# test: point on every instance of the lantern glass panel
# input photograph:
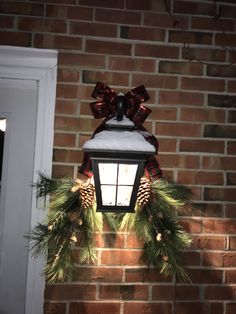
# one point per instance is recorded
(108, 195)
(124, 195)
(108, 173)
(127, 174)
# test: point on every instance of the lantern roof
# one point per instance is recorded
(120, 136)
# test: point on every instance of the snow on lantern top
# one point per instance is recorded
(119, 136)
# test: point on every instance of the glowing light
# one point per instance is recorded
(3, 125)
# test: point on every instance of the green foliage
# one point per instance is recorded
(157, 225)
(70, 228)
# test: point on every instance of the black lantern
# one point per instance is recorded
(118, 156)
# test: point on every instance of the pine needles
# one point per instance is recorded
(157, 225)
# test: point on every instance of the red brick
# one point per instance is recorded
(191, 258)
(120, 257)
(199, 307)
(214, 194)
(200, 177)
(57, 42)
(133, 242)
(219, 131)
(201, 146)
(21, 8)
(93, 29)
(94, 307)
(232, 86)
(231, 178)
(62, 171)
(66, 106)
(108, 47)
(116, 16)
(219, 226)
(142, 33)
(220, 293)
(191, 225)
(225, 101)
(160, 114)
(202, 115)
(67, 156)
(119, 4)
(70, 91)
(205, 23)
(112, 78)
(156, 51)
(123, 292)
(209, 242)
(188, 68)
(231, 148)
(54, 308)
(221, 163)
(75, 124)
(212, 259)
(163, 292)
(178, 129)
(202, 84)
(225, 40)
(187, 292)
(194, 8)
(15, 38)
(229, 259)
(199, 38)
(131, 64)
(42, 25)
(205, 276)
(178, 161)
(232, 243)
(147, 5)
(228, 11)
(81, 60)
(165, 20)
(70, 292)
(157, 81)
(181, 98)
(230, 210)
(67, 75)
(144, 275)
(7, 21)
(230, 276)
(150, 308)
(64, 140)
(110, 240)
(232, 116)
(167, 145)
(98, 274)
(230, 308)
(202, 210)
(203, 54)
(221, 70)
(80, 13)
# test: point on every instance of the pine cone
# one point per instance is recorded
(86, 191)
(144, 192)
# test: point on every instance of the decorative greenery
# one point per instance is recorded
(70, 227)
(157, 225)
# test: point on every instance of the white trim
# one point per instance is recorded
(40, 65)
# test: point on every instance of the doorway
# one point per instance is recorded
(27, 99)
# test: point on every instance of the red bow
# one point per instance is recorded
(105, 106)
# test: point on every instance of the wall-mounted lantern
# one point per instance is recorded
(118, 155)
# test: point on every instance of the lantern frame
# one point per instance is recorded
(118, 158)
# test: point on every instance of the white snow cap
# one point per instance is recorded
(113, 140)
(124, 122)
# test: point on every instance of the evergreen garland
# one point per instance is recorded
(70, 226)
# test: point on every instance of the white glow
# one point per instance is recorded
(107, 173)
(124, 195)
(127, 174)
(108, 195)
(3, 124)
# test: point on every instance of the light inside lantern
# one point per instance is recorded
(117, 182)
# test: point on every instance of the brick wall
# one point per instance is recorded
(185, 58)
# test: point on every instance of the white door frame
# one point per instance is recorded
(39, 65)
